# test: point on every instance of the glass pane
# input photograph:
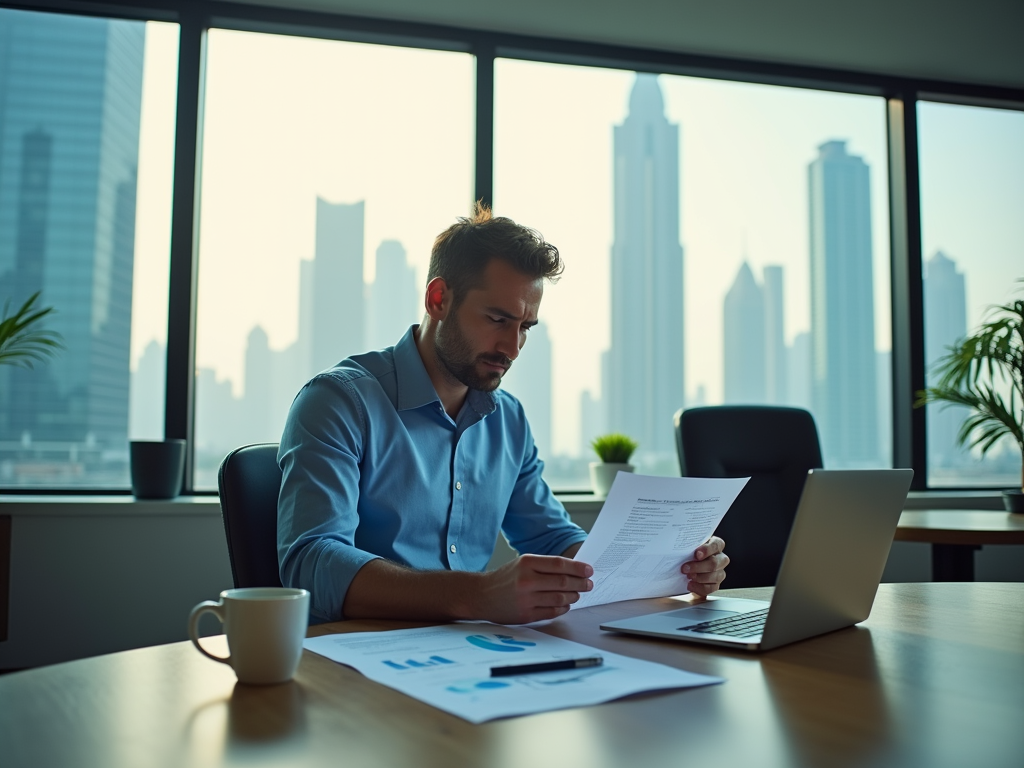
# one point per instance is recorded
(972, 195)
(328, 170)
(739, 235)
(86, 148)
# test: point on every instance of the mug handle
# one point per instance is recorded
(217, 609)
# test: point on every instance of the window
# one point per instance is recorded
(726, 242)
(972, 195)
(86, 147)
(739, 235)
(328, 169)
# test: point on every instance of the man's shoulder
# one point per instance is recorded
(359, 374)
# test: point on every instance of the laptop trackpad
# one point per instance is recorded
(716, 608)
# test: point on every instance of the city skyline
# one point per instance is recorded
(68, 175)
(759, 367)
(945, 321)
(746, 147)
(644, 381)
(844, 395)
(339, 314)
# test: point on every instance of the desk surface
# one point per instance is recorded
(961, 526)
(935, 677)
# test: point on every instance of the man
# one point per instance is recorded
(401, 466)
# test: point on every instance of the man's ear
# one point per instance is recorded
(438, 298)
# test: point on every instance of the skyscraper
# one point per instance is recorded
(258, 395)
(148, 385)
(843, 383)
(395, 300)
(774, 337)
(798, 371)
(338, 328)
(69, 139)
(945, 322)
(529, 379)
(644, 384)
(743, 348)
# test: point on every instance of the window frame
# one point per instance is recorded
(195, 19)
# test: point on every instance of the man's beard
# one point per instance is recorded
(457, 358)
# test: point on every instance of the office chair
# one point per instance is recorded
(775, 447)
(250, 481)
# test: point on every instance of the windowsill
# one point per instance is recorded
(106, 506)
(575, 503)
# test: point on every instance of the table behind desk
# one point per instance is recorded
(935, 677)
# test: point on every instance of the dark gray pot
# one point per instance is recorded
(1014, 501)
(158, 468)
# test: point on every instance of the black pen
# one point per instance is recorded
(546, 666)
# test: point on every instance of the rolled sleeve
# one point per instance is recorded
(320, 453)
(536, 522)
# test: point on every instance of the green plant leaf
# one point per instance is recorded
(21, 342)
(973, 372)
(614, 448)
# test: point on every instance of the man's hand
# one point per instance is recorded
(531, 588)
(707, 569)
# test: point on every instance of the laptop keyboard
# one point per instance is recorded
(742, 625)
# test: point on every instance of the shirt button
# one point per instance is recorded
(452, 548)
(458, 486)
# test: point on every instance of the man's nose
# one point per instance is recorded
(508, 342)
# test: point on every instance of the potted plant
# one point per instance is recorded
(614, 451)
(975, 373)
(22, 342)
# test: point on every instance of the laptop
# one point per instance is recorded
(837, 549)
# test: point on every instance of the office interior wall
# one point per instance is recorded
(975, 42)
(87, 584)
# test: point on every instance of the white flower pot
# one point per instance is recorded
(602, 475)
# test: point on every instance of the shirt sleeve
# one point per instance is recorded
(535, 521)
(317, 512)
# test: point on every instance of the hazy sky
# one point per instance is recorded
(288, 119)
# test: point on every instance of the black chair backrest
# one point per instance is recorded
(250, 481)
(772, 445)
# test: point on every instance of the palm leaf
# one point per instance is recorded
(972, 371)
(21, 342)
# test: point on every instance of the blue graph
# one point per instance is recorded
(480, 685)
(433, 661)
(505, 643)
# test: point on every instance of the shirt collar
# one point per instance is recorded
(415, 389)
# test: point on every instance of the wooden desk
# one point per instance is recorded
(934, 678)
(955, 535)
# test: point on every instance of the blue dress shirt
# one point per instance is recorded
(374, 467)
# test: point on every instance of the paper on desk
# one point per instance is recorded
(449, 667)
(647, 528)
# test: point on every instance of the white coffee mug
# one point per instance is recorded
(265, 627)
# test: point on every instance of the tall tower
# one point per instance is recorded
(529, 379)
(339, 313)
(644, 384)
(743, 352)
(843, 386)
(395, 300)
(945, 322)
(258, 395)
(67, 218)
(774, 337)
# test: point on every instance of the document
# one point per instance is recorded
(647, 528)
(449, 667)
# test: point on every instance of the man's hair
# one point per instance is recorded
(462, 252)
